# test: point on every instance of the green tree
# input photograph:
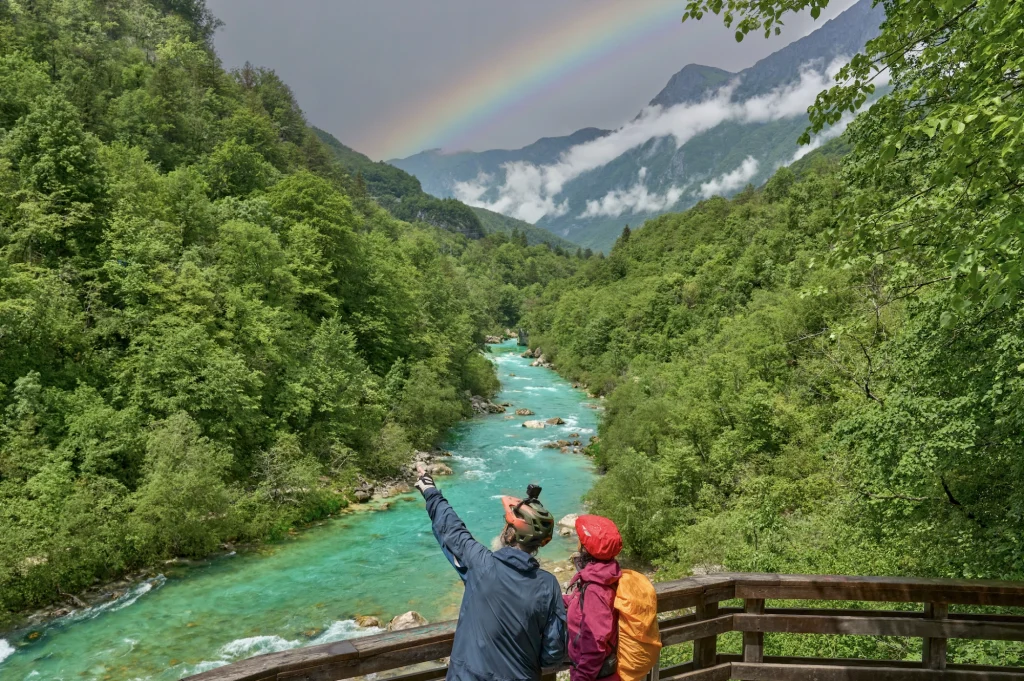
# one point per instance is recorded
(183, 505)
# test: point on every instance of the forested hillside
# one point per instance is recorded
(400, 193)
(208, 330)
(824, 375)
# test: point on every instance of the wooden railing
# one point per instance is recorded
(697, 616)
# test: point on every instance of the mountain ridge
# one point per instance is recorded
(402, 194)
(659, 168)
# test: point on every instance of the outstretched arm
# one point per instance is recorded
(456, 541)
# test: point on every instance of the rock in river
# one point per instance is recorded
(557, 421)
(407, 620)
(524, 412)
(568, 523)
(369, 622)
(439, 469)
(533, 424)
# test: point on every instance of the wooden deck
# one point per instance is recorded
(695, 613)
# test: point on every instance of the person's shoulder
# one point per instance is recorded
(550, 580)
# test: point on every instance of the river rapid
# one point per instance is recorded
(308, 589)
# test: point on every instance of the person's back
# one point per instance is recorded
(512, 618)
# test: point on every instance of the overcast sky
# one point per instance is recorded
(361, 68)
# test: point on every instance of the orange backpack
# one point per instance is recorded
(639, 640)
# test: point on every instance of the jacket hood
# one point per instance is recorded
(605, 572)
(516, 559)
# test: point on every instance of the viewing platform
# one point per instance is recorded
(695, 612)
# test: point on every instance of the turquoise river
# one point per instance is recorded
(308, 589)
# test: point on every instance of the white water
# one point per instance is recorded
(6, 649)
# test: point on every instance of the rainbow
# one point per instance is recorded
(487, 95)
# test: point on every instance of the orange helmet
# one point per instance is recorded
(533, 524)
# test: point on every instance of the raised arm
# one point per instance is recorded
(449, 529)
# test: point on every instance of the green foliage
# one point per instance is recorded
(938, 160)
(771, 409)
(401, 193)
(206, 331)
(496, 222)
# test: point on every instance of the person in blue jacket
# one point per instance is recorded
(512, 618)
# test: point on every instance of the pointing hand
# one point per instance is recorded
(424, 480)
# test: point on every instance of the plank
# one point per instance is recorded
(670, 673)
(824, 661)
(742, 671)
(346, 669)
(861, 662)
(880, 626)
(696, 629)
(432, 674)
(368, 646)
(718, 672)
(268, 666)
(891, 589)
(692, 617)
(693, 591)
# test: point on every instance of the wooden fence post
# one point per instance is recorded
(934, 652)
(655, 672)
(753, 641)
(705, 650)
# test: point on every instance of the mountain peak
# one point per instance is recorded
(692, 84)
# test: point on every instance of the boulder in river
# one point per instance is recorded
(368, 622)
(524, 412)
(551, 445)
(493, 340)
(408, 620)
(533, 424)
(439, 469)
(568, 523)
(482, 405)
(557, 421)
(363, 492)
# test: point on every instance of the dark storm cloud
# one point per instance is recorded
(354, 64)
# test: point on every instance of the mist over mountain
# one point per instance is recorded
(708, 132)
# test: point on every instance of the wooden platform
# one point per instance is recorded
(696, 615)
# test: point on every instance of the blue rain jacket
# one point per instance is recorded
(512, 618)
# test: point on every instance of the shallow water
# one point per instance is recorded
(308, 589)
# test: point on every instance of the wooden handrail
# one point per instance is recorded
(395, 650)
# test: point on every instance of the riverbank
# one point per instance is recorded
(311, 586)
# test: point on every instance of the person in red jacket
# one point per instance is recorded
(591, 617)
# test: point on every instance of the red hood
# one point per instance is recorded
(605, 572)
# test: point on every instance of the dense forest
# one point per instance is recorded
(825, 375)
(215, 319)
(209, 330)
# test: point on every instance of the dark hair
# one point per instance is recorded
(584, 558)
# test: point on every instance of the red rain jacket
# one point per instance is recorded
(593, 631)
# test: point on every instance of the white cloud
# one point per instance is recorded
(472, 192)
(731, 181)
(636, 199)
(529, 192)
